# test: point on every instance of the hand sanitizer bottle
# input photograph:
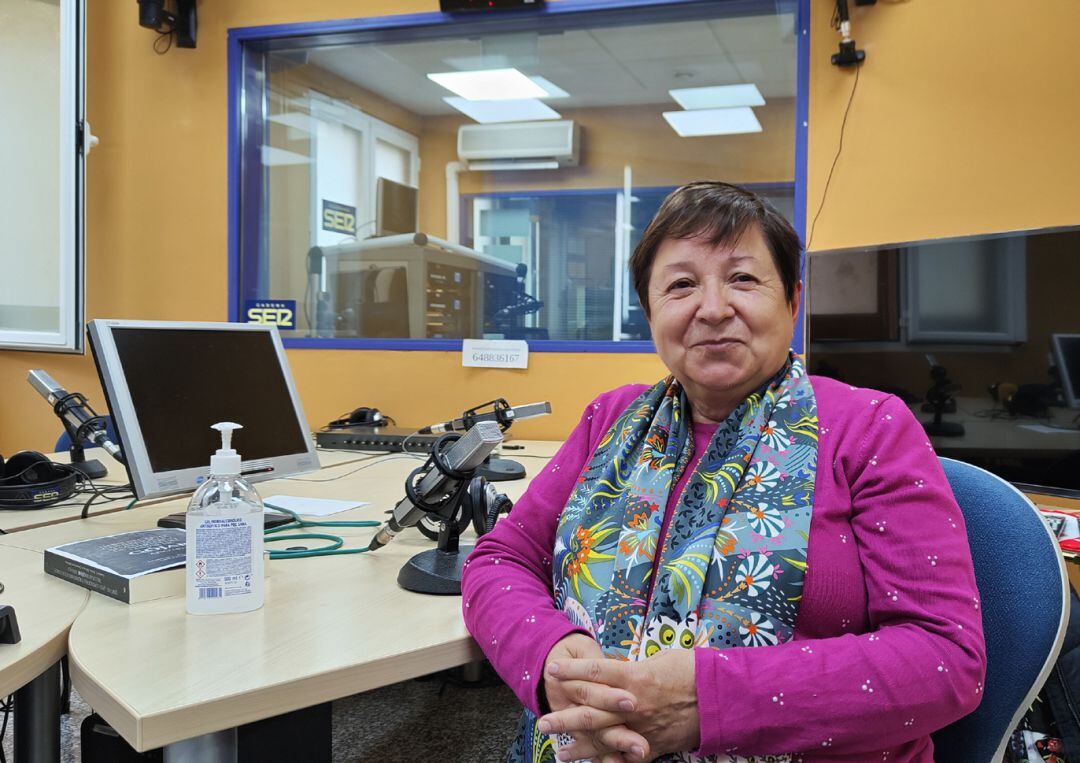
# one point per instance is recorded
(224, 537)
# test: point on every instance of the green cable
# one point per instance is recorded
(335, 542)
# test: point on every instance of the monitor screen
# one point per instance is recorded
(1067, 357)
(167, 383)
(396, 208)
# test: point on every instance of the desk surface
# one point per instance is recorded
(45, 607)
(14, 520)
(985, 435)
(330, 627)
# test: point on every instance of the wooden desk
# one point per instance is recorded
(14, 520)
(330, 627)
(45, 608)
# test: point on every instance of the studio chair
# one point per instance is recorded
(1023, 595)
(63, 442)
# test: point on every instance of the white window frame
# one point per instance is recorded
(371, 129)
(75, 140)
(1012, 271)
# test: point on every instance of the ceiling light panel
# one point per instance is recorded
(718, 97)
(690, 124)
(489, 85)
(519, 110)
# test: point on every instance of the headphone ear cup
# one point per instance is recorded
(473, 503)
(28, 467)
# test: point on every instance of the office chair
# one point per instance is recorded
(1023, 593)
(63, 442)
(384, 311)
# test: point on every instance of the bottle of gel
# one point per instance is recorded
(224, 537)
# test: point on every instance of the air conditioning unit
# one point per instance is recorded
(520, 145)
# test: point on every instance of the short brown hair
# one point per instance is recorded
(719, 213)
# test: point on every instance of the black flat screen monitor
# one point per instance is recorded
(396, 208)
(1067, 357)
(166, 383)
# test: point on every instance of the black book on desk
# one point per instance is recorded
(129, 567)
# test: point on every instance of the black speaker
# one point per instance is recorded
(29, 480)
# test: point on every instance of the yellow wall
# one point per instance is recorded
(964, 121)
(963, 124)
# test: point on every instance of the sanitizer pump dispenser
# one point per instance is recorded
(224, 537)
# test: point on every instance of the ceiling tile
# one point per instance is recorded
(755, 32)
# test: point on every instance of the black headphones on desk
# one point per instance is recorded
(29, 480)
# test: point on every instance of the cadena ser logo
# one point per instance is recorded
(339, 218)
(279, 312)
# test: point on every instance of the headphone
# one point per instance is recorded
(360, 417)
(29, 480)
(481, 505)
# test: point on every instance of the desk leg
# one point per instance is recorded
(37, 719)
(219, 747)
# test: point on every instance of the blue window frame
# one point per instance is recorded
(251, 51)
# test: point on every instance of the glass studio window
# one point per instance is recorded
(458, 179)
(979, 320)
(41, 174)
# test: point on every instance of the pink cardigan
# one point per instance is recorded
(888, 643)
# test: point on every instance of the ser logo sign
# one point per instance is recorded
(338, 218)
(279, 312)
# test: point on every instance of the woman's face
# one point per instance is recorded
(719, 316)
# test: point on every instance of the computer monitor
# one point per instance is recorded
(167, 382)
(396, 208)
(1067, 357)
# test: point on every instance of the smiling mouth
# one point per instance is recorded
(717, 344)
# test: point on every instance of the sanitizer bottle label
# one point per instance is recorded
(223, 558)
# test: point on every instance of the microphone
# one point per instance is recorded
(74, 411)
(504, 416)
(463, 456)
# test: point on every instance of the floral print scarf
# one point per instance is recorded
(732, 564)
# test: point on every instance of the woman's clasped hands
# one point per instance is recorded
(618, 711)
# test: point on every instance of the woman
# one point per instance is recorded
(740, 562)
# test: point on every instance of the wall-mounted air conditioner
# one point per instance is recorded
(520, 145)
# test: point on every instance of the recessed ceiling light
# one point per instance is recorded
(489, 85)
(689, 124)
(520, 110)
(718, 96)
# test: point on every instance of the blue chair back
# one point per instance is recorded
(1023, 595)
(63, 442)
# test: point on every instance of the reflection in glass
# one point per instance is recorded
(985, 311)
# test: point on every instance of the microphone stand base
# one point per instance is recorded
(434, 572)
(500, 470)
(92, 469)
(944, 428)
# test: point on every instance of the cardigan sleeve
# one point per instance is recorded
(922, 662)
(506, 585)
